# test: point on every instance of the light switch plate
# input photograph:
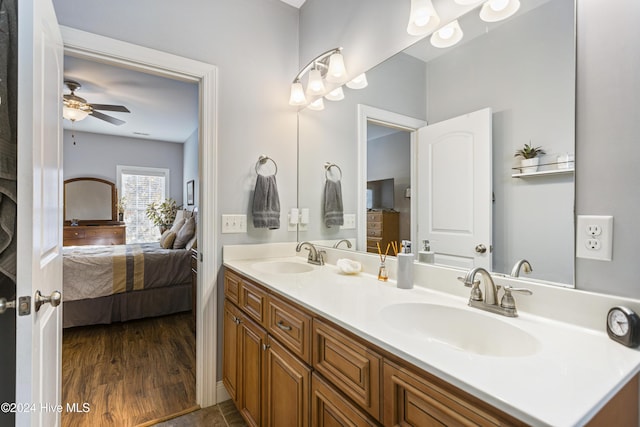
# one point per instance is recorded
(234, 223)
(349, 222)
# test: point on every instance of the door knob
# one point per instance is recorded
(481, 248)
(4, 304)
(54, 299)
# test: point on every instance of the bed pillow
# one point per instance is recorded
(177, 225)
(167, 239)
(185, 234)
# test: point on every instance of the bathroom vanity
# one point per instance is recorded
(305, 345)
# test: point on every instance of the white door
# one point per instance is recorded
(39, 228)
(454, 189)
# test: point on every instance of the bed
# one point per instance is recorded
(105, 284)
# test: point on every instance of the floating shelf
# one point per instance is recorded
(545, 169)
(542, 173)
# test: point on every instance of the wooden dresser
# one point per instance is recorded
(81, 235)
(382, 227)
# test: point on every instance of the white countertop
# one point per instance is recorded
(565, 383)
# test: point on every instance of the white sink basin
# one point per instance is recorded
(282, 267)
(461, 329)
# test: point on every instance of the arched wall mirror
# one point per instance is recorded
(90, 200)
(522, 68)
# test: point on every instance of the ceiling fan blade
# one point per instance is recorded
(112, 120)
(107, 107)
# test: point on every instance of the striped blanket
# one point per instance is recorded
(97, 271)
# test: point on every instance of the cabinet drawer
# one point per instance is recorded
(374, 233)
(374, 216)
(253, 301)
(374, 225)
(329, 408)
(291, 326)
(350, 366)
(73, 234)
(412, 400)
(232, 287)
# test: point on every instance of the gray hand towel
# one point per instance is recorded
(333, 211)
(266, 203)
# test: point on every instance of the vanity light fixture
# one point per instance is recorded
(337, 72)
(315, 86)
(448, 35)
(297, 94)
(497, 10)
(335, 95)
(326, 65)
(317, 105)
(359, 82)
(423, 18)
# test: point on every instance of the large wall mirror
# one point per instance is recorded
(89, 200)
(523, 70)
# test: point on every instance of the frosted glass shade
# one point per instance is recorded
(335, 95)
(315, 86)
(337, 72)
(297, 95)
(423, 18)
(448, 35)
(317, 105)
(467, 2)
(74, 114)
(360, 82)
(497, 10)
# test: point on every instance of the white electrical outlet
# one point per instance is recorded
(234, 223)
(594, 237)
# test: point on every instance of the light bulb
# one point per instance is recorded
(498, 5)
(335, 95)
(497, 10)
(423, 18)
(317, 105)
(446, 32)
(447, 36)
(359, 82)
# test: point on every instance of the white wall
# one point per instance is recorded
(190, 169)
(607, 149)
(97, 156)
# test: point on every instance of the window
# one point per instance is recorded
(140, 186)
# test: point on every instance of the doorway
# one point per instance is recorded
(102, 49)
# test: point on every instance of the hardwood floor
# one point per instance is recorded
(128, 373)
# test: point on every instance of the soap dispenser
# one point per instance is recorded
(426, 255)
(405, 266)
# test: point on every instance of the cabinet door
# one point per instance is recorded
(231, 325)
(329, 408)
(252, 343)
(287, 388)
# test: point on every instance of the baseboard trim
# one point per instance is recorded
(221, 393)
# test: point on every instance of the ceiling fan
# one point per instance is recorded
(76, 108)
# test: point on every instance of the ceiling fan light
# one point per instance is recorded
(447, 36)
(335, 95)
(74, 114)
(497, 10)
(297, 94)
(337, 72)
(423, 18)
(315, 86)
(317, 105)
(359, 82)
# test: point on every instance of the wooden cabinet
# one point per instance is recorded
(383, 227)
(423, 400)
(330, 408)
(82, 235)
(352, 367)
(290, 326)
(287, 388)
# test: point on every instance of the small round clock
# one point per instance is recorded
(623, 325)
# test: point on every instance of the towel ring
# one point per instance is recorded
(262, 160)
(327, 168)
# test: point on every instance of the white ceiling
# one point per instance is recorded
(295, 3)
(161, 109)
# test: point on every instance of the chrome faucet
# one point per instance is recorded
(524, 264)
(507, 306)
(341, 241)
(315, 256)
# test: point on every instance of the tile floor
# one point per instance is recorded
(224, 414)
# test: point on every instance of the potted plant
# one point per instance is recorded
(163, 213)
(529, 155)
